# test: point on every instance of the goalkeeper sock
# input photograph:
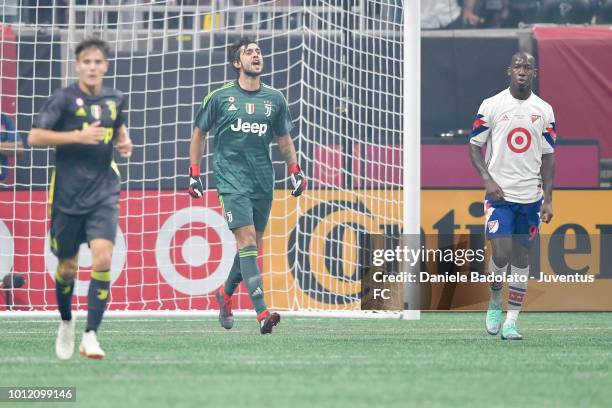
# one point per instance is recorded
(234, 278)
(97, 297)
(251, 276)
(516, 292)
(495, 288)
(63, 293)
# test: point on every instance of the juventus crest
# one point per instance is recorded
(268, 106)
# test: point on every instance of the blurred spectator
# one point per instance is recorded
(512, 13)
(495, 13)
(391, 10)
(124, 17)
(566, 11)
(8, 11)
(604, 13)
(449, 14)
(10, 145)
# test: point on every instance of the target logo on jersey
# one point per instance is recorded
(519, 140)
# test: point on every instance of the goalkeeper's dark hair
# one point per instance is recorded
(233, 51)
(92, 42)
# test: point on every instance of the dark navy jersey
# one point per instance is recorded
(85, 176)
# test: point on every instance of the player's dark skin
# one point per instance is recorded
(522, 71)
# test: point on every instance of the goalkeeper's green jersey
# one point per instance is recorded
(243, 124)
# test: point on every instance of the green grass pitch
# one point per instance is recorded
(445, 359)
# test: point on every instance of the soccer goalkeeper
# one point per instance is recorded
(245, 115)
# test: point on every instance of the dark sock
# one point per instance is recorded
(97, 297)
(63, 293)
(252, 277)
(234, 278)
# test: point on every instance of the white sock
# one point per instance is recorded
(511, 316)
(496, 289)
(517, 290)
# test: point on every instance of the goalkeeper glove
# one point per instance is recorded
(297, 179)
(196, 190)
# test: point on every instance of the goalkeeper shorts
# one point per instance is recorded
(240, 210)
(69, 231)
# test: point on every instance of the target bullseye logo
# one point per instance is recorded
(6, 250)
(85, 260)
(178, 247)
(519, 140)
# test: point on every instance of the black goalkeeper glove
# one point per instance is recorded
(196, 190)
(297, 179)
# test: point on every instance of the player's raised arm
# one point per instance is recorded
(42, 133)
(94, 134)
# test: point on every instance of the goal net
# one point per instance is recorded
(339, 64)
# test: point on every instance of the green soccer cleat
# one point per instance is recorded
(509, 332)
(494, 319)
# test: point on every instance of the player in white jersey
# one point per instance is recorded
(518, 128)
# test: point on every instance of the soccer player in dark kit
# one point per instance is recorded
(245, 115)
(84, 122)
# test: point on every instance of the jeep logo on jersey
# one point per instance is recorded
(247, 127)
(249, 108)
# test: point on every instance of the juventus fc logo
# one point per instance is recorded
(268, 106)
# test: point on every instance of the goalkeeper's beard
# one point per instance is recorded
(251, 74)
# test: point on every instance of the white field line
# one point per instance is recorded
(154, 331)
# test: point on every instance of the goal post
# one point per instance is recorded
(350, 73)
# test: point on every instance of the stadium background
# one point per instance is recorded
(444, 359)
(460, 68)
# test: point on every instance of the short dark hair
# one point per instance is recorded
(92, 42)
(233, 52)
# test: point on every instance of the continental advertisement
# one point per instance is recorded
(325, 250)
(321, 248)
